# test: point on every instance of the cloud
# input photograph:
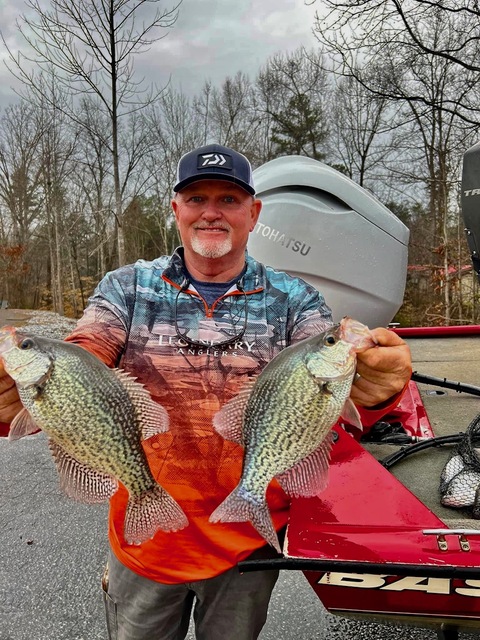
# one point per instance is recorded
(212, 39)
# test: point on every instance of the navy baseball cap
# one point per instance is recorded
(214, 162)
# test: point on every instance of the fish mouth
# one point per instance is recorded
(357, 334)
(7, 339)
(13, 371)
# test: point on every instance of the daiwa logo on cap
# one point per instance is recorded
(214, 160)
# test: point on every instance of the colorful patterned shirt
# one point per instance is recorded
(133, 321)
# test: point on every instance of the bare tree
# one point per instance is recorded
(57, 152)
(233, 120)
(91, 46)
(93, 180)
(175, 127)
(202, 104)
(421, 56)
(21, 199)
(362, 133)
(291, 93)
(20, 169)
(354, 29)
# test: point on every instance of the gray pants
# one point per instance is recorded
(229, 606)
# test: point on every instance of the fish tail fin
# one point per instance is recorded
(242, 506)
(150, 511)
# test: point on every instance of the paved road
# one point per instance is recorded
(52, 556)
(53, 550)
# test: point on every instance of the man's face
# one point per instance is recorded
(214, 218)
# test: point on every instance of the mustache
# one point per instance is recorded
(223, 227)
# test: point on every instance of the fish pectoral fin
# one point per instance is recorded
(228, 422)
(152, 417)
(22, 425)
(80, 481)
(350, 414)
(309, 476)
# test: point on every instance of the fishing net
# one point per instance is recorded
(460, 478)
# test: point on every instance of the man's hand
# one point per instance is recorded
(10, 403)
(383, 370)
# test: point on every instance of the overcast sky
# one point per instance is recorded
(211, 39)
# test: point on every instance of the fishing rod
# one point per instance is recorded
(414, 445)
(406, 451)
(437, 441)
(393, 433)
(459, 387)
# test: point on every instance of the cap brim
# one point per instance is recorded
(214, 176)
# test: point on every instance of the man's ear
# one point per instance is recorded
(255, 213)
(174, 205)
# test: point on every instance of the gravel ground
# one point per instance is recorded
(43, 323)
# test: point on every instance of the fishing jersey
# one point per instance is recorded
(142, 318)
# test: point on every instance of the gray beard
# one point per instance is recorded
(216, 250)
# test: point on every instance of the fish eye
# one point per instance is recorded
(329, 340)
(26, 344)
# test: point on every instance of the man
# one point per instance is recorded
(194, 327)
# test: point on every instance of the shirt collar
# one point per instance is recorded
(253, 280)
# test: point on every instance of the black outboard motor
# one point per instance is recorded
(471, 203)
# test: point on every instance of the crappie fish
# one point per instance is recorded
(453, 467)
(463, 490)
(95, 418)
(284, 419)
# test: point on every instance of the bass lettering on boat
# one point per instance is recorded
(385, 582)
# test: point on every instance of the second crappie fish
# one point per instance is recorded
(95, 418)
(460, 485)
(284, 420)
(463, 490)
(453, 467)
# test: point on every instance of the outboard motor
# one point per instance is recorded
(321, 226)
(471, 203)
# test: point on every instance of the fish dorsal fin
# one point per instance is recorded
(228, 422)
(350, 414)
(22, 425)
(152, 417)
(309, 476)
(79, 481)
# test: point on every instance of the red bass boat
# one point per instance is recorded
(378, 543)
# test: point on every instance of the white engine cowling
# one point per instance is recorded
(321, 226)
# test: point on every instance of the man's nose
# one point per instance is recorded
(211, 210)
